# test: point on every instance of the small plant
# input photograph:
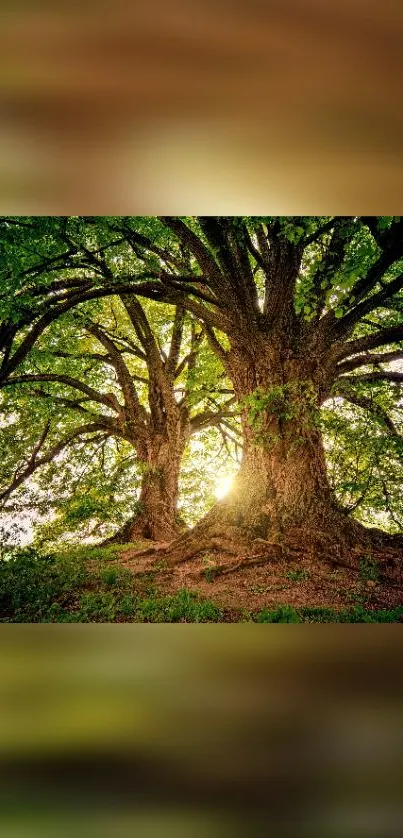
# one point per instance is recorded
(355, 597)
(297, 575)
(128, 605)
(369, 569)
(161, 564)
(32, 582)
(258, 589)
(184, 607)
(210, 569)
(357, 614)
(319, 615)
(98, 607)
(282, 614)
(110, 576)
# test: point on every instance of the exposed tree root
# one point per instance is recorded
(331, 536)
(243, 561)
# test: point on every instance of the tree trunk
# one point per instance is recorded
(281, 497)
(156, 517)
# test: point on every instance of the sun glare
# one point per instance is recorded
(223, 486)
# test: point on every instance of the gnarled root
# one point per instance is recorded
(330, 536)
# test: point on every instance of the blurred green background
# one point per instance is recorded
(203, 731)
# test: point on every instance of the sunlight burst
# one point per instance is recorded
(223, 486)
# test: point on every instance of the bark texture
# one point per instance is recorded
(156, 517)
(281, 498)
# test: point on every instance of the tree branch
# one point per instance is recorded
(188, 238)
(368, 359)
(94, 395)
(34, 463)
(384, 375)
(130, 395)
(212, 418)
(368, 404)
(383, 337)
(346, 324)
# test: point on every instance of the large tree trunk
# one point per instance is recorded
(281, 496)
(156, 517)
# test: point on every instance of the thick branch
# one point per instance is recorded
(384, 375)
(137, 240)
(189, 360)
(281, 277)
(368, 359)
(94, 395)
(211, 418)
(346, 324)
(130, 395)
(383, 337)
(216, 346)
(188, 238)
(151, 290)
(176, 341)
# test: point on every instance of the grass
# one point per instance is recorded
(84, 586)
(81, 586)
(369, 569)
(357, 614)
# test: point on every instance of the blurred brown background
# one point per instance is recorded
(201, 731)
(188, 106)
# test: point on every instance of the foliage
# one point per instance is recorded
(284, 402)
(32, 584)
(282, 614)
(82, 586)
(358, 614)
(364, 461)
(297, 575)
(61, 278)
(369, 569)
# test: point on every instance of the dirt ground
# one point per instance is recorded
(308, 582)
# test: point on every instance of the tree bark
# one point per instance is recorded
(156, 517)
(281, 496)
(283, 478)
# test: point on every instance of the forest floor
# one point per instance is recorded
(117, 584)
(311, 582)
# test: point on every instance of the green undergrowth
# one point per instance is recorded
(88, 585)
(85, 586)
(357, 614)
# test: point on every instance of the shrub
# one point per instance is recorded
(31, 582)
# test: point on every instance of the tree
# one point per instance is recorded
(298, 310)
(329, 294)
(137, 373)
(302, 302)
